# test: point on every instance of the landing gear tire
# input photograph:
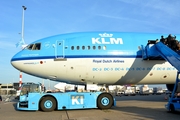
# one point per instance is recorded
(48, 104)
(105, 101)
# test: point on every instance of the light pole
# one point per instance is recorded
(22, 33)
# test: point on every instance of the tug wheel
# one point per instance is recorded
(48, 104)
(105, 101)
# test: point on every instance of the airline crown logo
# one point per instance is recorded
(106, 35)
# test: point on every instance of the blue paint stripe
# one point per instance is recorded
(77, 56)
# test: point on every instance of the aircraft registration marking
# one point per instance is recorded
(132, 69)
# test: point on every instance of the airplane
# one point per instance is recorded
(102, 58)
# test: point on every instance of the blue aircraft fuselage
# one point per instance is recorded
(94, 57)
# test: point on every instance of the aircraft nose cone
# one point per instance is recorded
(18, 65)
(15, 63)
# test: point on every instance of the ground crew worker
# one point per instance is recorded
(169, 38)
(163, 40)
(174, 44)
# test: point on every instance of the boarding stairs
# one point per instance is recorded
(158, 51)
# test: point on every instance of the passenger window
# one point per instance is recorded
(104, 47)
(72, 47)
(78, 47)
(83, 47)
(94, 47)
(99, 47)
(88, 47)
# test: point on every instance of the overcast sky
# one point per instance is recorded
(45, 18)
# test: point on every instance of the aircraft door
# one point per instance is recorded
(59, 49)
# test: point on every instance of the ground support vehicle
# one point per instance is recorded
(129, 93)
(157, 91)
(120, 93)
(33, 98)
(144, 90)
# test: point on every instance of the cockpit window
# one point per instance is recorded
(30, 46)
(36, 46)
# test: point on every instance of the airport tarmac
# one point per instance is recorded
(137, 107)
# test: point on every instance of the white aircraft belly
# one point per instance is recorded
(109, 71)
(102, 70)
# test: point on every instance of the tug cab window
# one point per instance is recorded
(29, 88)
